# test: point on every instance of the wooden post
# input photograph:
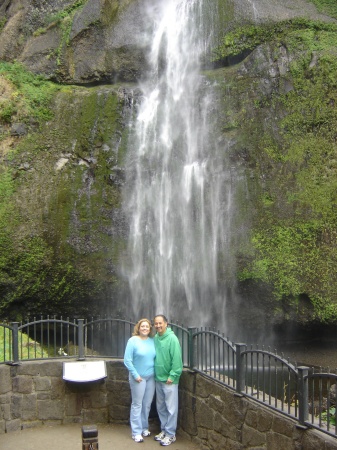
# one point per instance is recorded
(89, 437)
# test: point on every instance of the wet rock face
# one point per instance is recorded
(103, 41)
(75, 168)
(93, 42)
(275, 10)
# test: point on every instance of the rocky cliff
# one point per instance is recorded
(68, 82)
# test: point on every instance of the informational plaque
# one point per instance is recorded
(84, 371)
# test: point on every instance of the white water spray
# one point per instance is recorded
(177, 195)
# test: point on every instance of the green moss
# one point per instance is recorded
(326, 6)
(55, 241)
(248, 37)
(3, 22)
(290, 137)
(31, 96)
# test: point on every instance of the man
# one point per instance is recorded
(168, 367)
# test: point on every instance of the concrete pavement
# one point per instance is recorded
(69, 437)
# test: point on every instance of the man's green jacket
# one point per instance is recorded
(168, 362)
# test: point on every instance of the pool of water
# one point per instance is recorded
(318, 354)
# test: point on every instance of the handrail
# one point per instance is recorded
(259, 374)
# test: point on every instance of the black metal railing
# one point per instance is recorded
(302, 393)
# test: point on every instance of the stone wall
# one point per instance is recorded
(211, 415)
(34, 393)
(214, 417)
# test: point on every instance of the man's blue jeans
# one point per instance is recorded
(142, 395)
(167, 407)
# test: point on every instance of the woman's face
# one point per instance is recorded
(144, 329)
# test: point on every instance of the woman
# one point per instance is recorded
(139, 359)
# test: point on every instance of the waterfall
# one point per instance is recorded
(178, 190)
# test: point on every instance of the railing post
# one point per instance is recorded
(80, 340)
(239, 369)
(15, 342)
(191, 331)
(303, 395)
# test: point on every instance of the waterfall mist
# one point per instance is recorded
(178, 193)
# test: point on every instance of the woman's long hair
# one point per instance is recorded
(137, 326)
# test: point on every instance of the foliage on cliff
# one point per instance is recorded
(56, 194)
(326, 6)
(288, 137)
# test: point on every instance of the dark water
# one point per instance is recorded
(311, 353)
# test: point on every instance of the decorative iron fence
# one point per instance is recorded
(302, 393)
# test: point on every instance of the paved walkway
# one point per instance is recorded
(69, 437)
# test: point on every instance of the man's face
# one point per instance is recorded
(160, 325)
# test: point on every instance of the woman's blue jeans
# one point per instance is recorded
(142, 395)
(167, 407)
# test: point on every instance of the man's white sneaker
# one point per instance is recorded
(146, 433)
(138, 438)
(160, 436)
(167, 440)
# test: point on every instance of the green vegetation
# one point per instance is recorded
(248, 37)
(329, 414)
(29, 95)
(27, 347)
(64, 20)
(53, 245)
(3, 21)
(290, 137)
(66, 12)
(328, 7)
(60, 16)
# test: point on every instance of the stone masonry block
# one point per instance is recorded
(5, 411)
(313, 441)
(95, 416)
(5, 398)
(204, 415)
(188, 381)
(277, 441)
(58, 388)
(23, 384)
(282, 426)
(119, 395)
(42, 383)
(118, 388)
(116, 371)
(43, 395)
(252, 437)
(216, 403)
(50, 409)
(331, 444)
(16, 406)
(28, 407)
(187, 422)
(222, 426)
(5, 380)
(217, 441)
(235, 409)
(251, 418)
(73, 405)
(41, 368)
(13, 425)
(205, 387)
(264, 420)
(119, 413)
(95, 400)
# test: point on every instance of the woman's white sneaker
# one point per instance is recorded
(138, 438)
(146, 433)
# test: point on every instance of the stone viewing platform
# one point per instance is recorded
(68, 437)
(39, 408)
